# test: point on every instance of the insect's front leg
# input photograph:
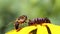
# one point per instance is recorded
(17, 26)
(18, 29)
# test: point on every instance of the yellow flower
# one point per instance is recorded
(55, 29)
(40, 29)
(25, 30)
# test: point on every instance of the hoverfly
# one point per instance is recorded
(20, 20)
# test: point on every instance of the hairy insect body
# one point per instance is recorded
(22, 22)
(22, 19)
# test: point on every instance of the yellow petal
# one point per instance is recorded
(41, 30)
(55, 29)
(12, 32)
(25, 30)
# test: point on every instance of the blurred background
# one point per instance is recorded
(12, 9)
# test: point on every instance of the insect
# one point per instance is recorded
(35, 21)
(39, 21)
(19, 21)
